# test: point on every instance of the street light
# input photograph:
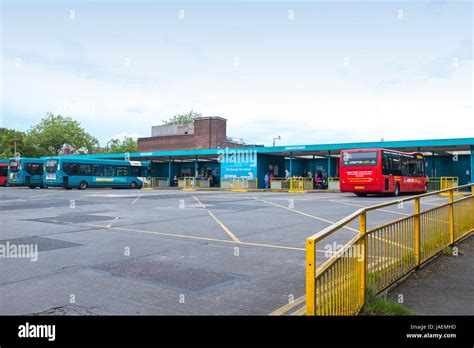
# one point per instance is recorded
(108, 145)
(14, 145)
(277, 138)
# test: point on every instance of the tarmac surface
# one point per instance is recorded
(168, 252)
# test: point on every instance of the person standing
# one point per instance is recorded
(267, 180)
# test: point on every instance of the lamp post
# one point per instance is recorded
(108, 145)
(277, 138)
(15, 140)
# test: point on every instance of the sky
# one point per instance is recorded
(311, 72)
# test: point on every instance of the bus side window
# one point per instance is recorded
(122, 171)
(135, 171)
(98, 170)
(108, 171)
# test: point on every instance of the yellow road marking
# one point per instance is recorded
(199, 202)
(301, 311)
(203, 238)
(365, 206)
(110, 225)
(231, 235)
(305, 214)
(390, 242)
(289, 306)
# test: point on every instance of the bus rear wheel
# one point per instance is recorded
(361, 194)
(32, 187)
(82, 185)
(396, 192)
(133, 185)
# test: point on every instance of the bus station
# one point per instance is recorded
(189, 244)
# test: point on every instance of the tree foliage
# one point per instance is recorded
(126, 144)
(55, 132)
(188, 117)
(24, 147)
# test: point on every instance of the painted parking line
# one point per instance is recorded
(304, 214)
(365, 206)
(136, 199)
(199, 202)
(289, 306)
(226, 230)
(173, 235)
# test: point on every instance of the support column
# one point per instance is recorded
(329, 164)
(169, 172)
(313, 169)
(291, 163)
(471, 170)
(196, 167)
(433, 172)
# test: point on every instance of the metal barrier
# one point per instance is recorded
(279, 184)
(191, 183)
(300, 184)
(442, 183)
(239, 184)
(151, 183)
(379, 256)
(333, 184)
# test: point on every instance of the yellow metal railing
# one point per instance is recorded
(191, 183)
(279, 184)
(379, 256)
(333, 184)
(155, 182)
(300, 184)
(240, 184)
(442, 183)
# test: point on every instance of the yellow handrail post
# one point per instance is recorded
(363, 250)
(451, 217)
(310, 277)
(417, 232)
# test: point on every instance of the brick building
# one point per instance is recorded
(203, 133)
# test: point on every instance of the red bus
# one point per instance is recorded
(3, 174)
(381, 171)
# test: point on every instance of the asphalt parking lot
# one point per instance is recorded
(137, 252)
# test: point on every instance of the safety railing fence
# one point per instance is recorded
(192, 183)
(239, 184)
(378, 256)
(279, 184)
(155, 182)
(333, 184)
(300, 184)
(442, 183)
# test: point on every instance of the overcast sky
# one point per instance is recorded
(311, 72)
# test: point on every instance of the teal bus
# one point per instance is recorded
(74, 172)
(25, 172)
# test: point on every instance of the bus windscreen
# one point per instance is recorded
(368, 158)
(14, 166)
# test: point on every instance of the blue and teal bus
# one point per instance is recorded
(74, 172)
(25, 172)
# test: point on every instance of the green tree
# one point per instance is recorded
(24, 147)
(183, 118)
(54, 132)
(127, 144)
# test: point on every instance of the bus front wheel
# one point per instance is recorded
(396, 192)
(133, 185)
(82, 185)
